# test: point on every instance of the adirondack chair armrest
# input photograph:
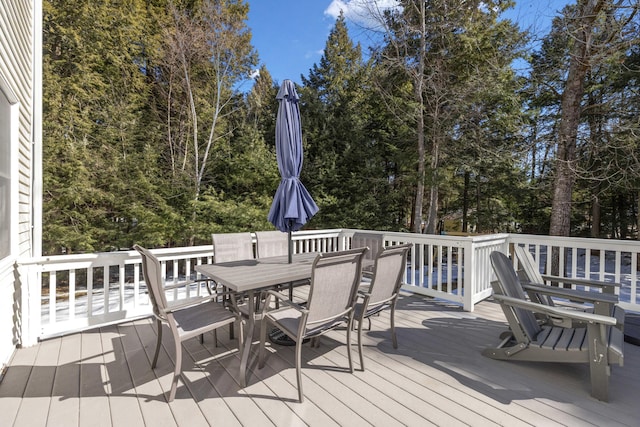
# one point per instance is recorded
(606, 287)
(572, 294)
(559, 316)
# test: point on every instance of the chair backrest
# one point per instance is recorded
(335, 278)
(509, 284)
(374, 242)
(390, 266)
(232, 247)
(531, 272)
(272, 243)
(152, 272)
(528, 264)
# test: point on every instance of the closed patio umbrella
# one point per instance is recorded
(292, 204)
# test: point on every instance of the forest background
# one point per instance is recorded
(150, 139)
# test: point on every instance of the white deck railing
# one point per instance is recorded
(72, 292)
(596, 259)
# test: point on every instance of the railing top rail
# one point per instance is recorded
(102, 258)
(583, 242)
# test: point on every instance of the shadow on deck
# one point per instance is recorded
(436, 376)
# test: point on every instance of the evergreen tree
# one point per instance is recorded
(595, 30)
(342, 157)
(95, 100)
(448, 53)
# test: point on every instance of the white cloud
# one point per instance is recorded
(314, 53)
(361, 12)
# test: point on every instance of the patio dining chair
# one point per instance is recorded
(373, 241)
(272, 244)
(229, 247)
(232, 247)
(186, 318)
(600, 298)
(382, 292)
(597, 341)
(333, 291)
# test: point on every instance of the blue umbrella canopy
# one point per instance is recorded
(292, 204)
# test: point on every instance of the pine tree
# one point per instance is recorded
(95, 107)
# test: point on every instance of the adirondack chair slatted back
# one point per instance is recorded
(152, 272)
(334, 285)
(530, 268)
(232, 247)
(508, 284)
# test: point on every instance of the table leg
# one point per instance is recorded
(248, 339)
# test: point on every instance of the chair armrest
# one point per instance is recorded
(572, 294)
(186, 303)
(286, 301)
(190, 302)
(182, 284)
(559, 316)
(608, 287)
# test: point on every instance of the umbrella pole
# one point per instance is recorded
(290, 247)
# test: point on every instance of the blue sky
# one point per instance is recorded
(290, 35)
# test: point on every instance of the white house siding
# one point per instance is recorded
(20, 86)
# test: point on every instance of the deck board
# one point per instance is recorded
(66, 383)
(94, 397)
(435, 377)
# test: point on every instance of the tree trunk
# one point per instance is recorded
(432, 216)
(572, 96)
(419, 197)
(465, 202)
(595, 217)
(418, 86)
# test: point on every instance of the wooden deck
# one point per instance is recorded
(436, 377)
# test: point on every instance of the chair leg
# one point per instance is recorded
(240, 338)
(263, 339)
(231, 332)
(349, 346)
(299, 368)
(158, 344)
(599, 368)
(176, 371)
(393, 326)
(360, 322)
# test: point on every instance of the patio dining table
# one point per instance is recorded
(254, 275)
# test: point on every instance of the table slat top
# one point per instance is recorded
(252, 274)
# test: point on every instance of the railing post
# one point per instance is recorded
(469, 268)
(27, 321)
